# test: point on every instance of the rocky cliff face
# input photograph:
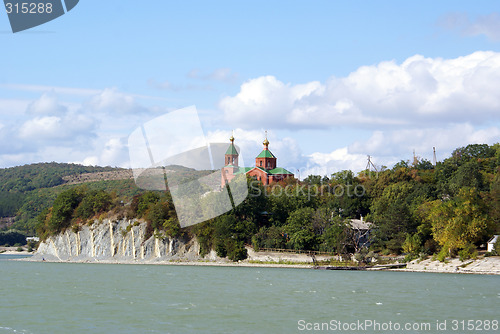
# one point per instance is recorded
(116, 241)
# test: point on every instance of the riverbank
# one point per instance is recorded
(14, 251)
(254, 259)
(486, 265)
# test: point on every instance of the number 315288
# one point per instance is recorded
(29, 8)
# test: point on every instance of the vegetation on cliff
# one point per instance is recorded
(25, 191)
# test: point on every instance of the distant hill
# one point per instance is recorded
(43, 175)
(25, 191)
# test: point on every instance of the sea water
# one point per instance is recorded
(41, 297)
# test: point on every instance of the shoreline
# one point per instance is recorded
(11, 250)
(177, 262)
(482, 266)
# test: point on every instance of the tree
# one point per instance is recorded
(141, 203)
(337, 236)
(93, 202)
(472, 151)
(300, 230)
(460, 221)
(467, 175)
(412, 244)
(424, 164)
(316, 180)
(392, 215)
(63, 208)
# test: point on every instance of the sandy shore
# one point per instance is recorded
(14, 251)
(487, 265)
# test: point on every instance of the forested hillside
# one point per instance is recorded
(26, 190)
(447, 209)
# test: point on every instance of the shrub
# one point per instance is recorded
(412, 244)
(237, 251)
(442, 254)
(468, 252)
(362, 256)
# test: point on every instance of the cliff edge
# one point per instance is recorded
(119, 242)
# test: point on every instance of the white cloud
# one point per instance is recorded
(42, 127)
(114, 101)
(325, 164)
(90, 161)
(418, 91)
(67, 127)
(47, 104)
(488, 25)
(114, 153)
(389, 147)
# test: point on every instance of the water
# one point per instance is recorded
(101, 298)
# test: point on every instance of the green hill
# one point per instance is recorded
(25, 191)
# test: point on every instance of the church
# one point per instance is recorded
(265, 169)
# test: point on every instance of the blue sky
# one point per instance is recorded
(331, 81)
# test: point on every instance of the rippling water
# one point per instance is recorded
(102, 298)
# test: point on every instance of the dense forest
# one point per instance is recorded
(449, 209)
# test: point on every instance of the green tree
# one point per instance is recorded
(392, 214)
(467, 175)
(63, 209)
(300, 229)
(92, 203)
(412, 244)
(458, 222)
(337, 237)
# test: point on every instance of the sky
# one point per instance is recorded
(331, 81)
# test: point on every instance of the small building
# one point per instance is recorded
(491, 243)
(361, 232)
(265, 169)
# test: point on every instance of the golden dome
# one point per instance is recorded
(265, 142)
(231, 139)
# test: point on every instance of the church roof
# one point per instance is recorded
(231, 150)
(266, 154)
(279, 170)
(275, 171)
(243, 170)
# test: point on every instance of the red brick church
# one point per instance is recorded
(265, 169)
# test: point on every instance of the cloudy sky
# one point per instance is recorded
(331, 81)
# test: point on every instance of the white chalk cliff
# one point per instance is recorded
(117, 241)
